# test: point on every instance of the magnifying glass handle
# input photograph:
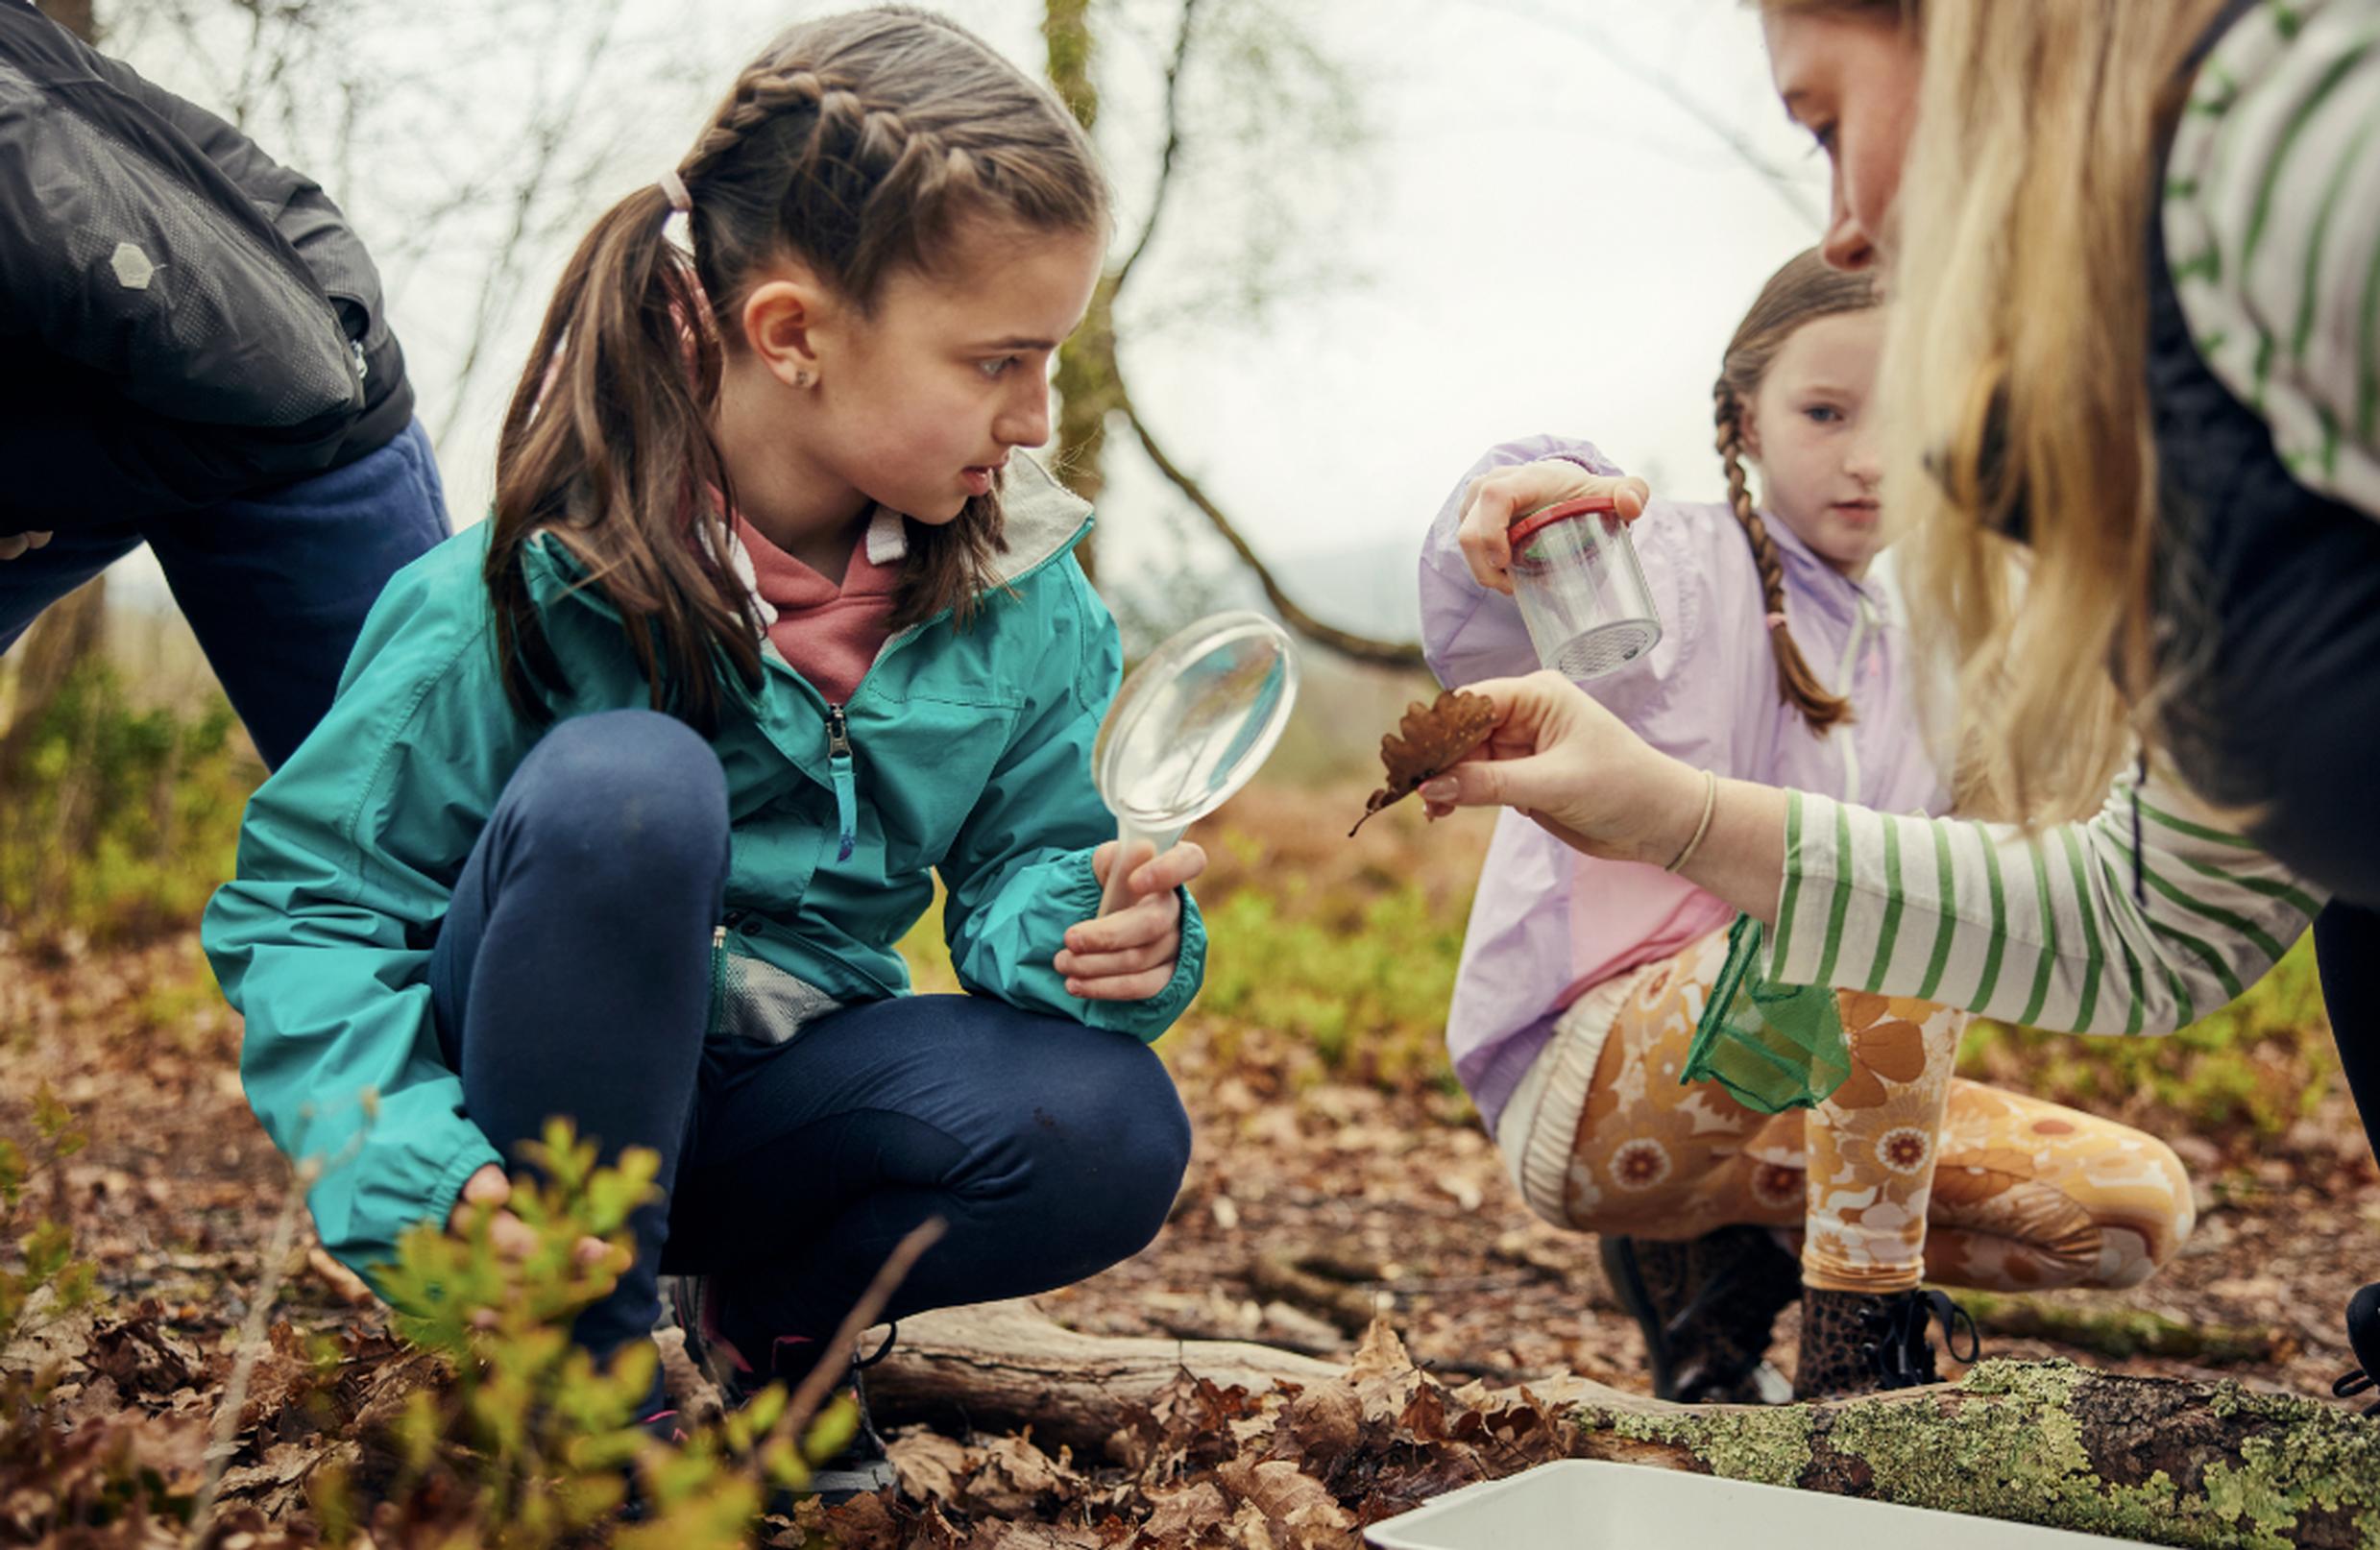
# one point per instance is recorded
(1130, 840)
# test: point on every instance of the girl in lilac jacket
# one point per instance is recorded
(1782, 660)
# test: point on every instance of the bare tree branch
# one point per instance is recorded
(1173, 147)
(498, 288)
(1360, 647)
(1779, 177)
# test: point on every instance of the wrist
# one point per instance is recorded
(1673, 795)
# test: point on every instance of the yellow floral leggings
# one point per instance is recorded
(1906, 1172)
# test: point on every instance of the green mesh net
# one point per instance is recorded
(1772, 1047)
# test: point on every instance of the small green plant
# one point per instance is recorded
(47, 1282)
(533, 1438)
(1370, 993)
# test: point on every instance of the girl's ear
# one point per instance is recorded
(783, 321)
(1748, 427)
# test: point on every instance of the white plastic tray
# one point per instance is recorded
(1581, 1503)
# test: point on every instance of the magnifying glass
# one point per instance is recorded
(1192, 724)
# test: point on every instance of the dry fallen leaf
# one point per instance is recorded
(931, 1468)
(1429, 741)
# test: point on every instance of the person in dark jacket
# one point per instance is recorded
(194, 353)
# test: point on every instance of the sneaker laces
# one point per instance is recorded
(893, 1332)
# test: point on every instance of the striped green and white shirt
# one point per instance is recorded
(2271, 213)
(2044, 931)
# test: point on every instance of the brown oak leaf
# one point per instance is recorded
(1429, 741)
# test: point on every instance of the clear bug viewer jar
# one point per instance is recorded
(1581, 589)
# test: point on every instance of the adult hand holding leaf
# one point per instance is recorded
(1561, 760)
(1428, 740)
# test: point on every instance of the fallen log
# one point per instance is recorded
(2161, 1459)
(1002, 1366)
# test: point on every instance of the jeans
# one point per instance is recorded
(275, 585)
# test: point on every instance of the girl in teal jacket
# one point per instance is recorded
(629, 794)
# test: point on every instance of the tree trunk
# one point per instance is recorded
(1086, 361)
(1086, 394)
(2154, 1459)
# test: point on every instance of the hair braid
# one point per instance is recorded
(1796, 683)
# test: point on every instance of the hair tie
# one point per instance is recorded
(1776, 621)
(673, 189)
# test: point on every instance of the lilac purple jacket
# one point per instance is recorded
(1550, 924)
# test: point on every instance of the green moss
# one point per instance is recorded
(2015, 1451)
(1770, 1447)
(2328, 1463)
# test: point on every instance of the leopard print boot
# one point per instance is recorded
(1865, 1342)
(1706, 1307)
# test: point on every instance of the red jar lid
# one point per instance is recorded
(1537, 522)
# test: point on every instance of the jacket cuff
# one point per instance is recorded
(1148, 1019)
(441, 1202)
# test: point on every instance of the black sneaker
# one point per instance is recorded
(1708, 1308)
(861, 1469)
(693, 1307)
(2364, 1335)
(665, 1427)
(1857, 1342)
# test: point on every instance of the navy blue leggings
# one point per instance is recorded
(573, 977)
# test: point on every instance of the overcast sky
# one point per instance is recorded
(1535, 235)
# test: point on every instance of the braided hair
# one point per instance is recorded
(1802, 291)
(861, 144)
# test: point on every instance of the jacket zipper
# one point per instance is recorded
(839, 772)
(840, 768)
(718, 978)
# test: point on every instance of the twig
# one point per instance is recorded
(219, 1444)
(1306, 1278)
(1186, 1331)
(1173, 149)
(2122, 1333)
(836, 1360)
(1779, 179)
(548, 136)
(1361, 647)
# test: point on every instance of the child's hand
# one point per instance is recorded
(512, 1237)
(1130, 955)
(1495, 500)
